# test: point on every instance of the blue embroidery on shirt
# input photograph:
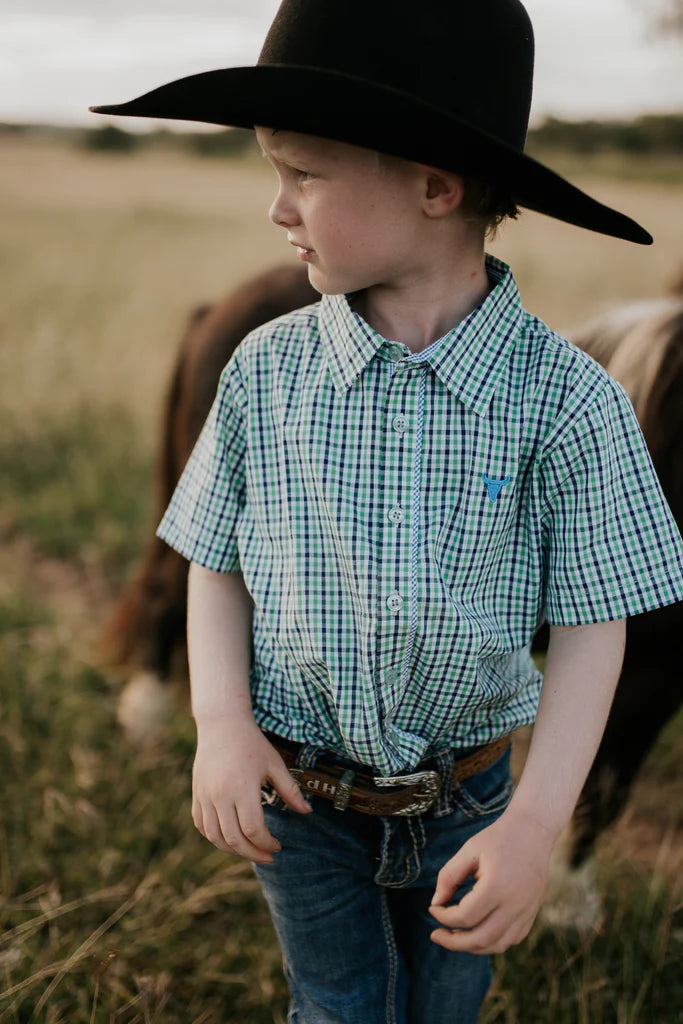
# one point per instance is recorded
(494, 487)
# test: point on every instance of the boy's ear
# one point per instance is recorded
(443, 192)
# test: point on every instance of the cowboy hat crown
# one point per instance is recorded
(443, 83)
(433, 53)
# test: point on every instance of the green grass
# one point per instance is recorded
(627, 974)
(106, 887)
(101, 866)
(112, 907)
(79, 485)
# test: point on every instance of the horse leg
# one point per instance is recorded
(157, 608)
(645, 700)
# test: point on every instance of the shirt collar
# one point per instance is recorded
(469, 359)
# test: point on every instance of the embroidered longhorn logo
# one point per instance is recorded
(494, 487)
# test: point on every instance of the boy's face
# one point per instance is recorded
(355, 217)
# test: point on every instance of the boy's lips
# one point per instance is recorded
(302, 251)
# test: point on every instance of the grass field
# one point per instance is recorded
(112, 908)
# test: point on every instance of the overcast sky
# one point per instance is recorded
(594, 58)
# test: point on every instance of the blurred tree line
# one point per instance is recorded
(230, 142)
(655, 134)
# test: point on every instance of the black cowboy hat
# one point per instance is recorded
(444, 82)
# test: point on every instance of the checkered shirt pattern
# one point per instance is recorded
(405, 521)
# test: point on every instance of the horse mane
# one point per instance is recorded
(641, 346)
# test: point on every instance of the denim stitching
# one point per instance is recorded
(415, 824)
(383, 875)
(473, 809)
(393, 959)
(384, 850)
(397, 883)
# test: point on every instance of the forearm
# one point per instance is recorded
(581, 673)
(234, 759)
(509, 859)
(219, 617)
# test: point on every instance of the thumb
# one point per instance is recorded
(464, 865)
(288, 789)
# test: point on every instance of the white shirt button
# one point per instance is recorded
(395, 602)
(399, 423)
(392, 676)
(396, 514)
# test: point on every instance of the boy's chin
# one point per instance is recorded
(333, 284)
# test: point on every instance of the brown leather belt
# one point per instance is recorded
(411, 793)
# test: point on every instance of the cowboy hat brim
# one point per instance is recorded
(338, 106)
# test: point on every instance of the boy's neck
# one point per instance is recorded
(428, 304)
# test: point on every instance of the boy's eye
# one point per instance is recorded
(298, 173)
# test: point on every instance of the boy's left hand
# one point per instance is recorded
(509, 861)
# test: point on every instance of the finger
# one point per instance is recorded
(253, 826)
(498, 932)
(287, 788)
(474, 907)
(226, 834)
(452, 875)
(482, 939)
(197, 817)
(463, 938)
(212, 831)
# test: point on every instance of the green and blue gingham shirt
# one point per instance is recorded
(405, 521)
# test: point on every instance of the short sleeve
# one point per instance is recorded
(611, 546)
(202, 517)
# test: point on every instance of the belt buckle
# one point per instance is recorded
(423, 799)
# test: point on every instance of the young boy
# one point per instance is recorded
(394, 488)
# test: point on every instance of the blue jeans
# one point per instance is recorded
(349, 896)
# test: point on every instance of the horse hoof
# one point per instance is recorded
(573, 902)
(572, 899)
(144, 708)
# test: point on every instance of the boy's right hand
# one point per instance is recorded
(233, 761)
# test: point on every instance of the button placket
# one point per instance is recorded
(398, 474)
(396, 514)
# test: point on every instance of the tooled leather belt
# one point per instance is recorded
(404, 794)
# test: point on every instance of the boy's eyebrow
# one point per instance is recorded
(283, 156)
(289, 152)
(264, 152)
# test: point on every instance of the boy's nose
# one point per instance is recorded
(282, 212)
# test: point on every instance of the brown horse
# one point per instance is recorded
(642, 346)
(147, 628)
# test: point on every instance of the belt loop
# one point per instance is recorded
(307, 755)
(445, 761)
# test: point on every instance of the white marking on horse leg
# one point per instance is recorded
(144, 708)
(572, 899)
